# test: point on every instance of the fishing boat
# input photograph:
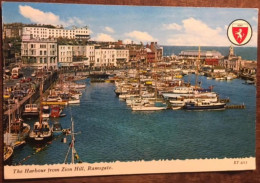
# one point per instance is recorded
(73, 100)
(46, 111)
(147, 108)
(20, 128)
(177, 104)
(19, 144)
(53, 98)
(8, 154)
(57, 128)
(30, 110)
(56, 111)
(17, 130)
(41, 132)
(8, 148)
(200, 105)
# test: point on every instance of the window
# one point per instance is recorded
(45, 52)
(41, 52)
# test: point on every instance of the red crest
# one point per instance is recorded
(239, 33)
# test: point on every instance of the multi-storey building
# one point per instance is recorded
(121, 57)
(65, 55)
(13, 30)
(46, 32)
(40, 53)
(110, 57)
(157, 50)
(231, 62)
(72, 55)
(90, 54)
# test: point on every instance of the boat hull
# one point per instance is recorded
(8, 155)
(144, 108)
(38, 139)
(205, 107)
(30, 114)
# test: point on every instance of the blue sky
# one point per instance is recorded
(166, 25)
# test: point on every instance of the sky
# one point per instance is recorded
(173, 26)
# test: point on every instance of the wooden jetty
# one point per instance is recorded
(235, 106)
(19, 105)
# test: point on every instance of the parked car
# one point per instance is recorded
(18, 94)
(7, 95)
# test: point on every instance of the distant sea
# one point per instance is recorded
(247, 53)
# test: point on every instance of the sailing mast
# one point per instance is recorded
(72, 141)
(197, 68)
(139, 79)
(155, 93)
(41, 88)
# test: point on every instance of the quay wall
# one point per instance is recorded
(50, 79)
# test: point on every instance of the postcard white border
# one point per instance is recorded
(120, 168)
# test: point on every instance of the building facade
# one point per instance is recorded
(65, 55)
(13, 30)
(40, 53)
(45, 32)
(231, 62)
(90, 54)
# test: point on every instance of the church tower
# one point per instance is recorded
(231, 52)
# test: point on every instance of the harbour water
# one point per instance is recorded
(247, 53)
(110, 131)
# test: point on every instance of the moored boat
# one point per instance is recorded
(55, 111)
(205, 106)
(57, 128)
(46, 111)
(30, 110)
(42, 132)
(8, 154)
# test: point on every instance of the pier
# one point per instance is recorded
(19, 104)
(236, 106)
(30, 97)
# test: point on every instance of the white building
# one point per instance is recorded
(40, 53)
(44, 32)
(90, 54)
(65, 54)
(107, 57)
(72, 55)
(122, 57)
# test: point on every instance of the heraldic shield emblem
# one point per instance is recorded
(239, 32)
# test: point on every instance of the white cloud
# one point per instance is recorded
(109, 29)
(74, 21)
(140, 36)
(104, 37)
(172, 26)
(90, 31)
(40, 17)
(197, 32)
